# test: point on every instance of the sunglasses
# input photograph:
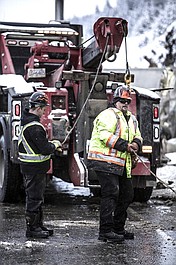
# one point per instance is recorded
(124, 100)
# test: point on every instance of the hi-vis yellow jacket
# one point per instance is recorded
(110, 136)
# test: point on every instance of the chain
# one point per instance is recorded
(127, 77)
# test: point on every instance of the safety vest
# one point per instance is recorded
(108, 127)
(30, 155)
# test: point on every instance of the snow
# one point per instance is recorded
(16, 81)
(147, 92)
(167, 174)
(68, 188)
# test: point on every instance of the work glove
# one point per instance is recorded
(57, 144)
(131, 148)
(135, 146)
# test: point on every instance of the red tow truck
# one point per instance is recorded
(52, 58)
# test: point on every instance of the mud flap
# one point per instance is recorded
(141, 175)
(78, 171)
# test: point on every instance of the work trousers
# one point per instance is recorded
(116, 195)
(34, 187)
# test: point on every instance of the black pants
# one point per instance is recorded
(34, 187)
(116, 195)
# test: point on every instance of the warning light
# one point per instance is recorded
(23, 43)
(17, 110)
(155, 113)
(12, 42)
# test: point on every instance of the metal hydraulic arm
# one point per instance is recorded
(109, 33)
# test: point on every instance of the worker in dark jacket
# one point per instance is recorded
(115, 138)
(34, 155)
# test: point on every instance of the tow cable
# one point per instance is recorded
(165, 184)
(90, 92)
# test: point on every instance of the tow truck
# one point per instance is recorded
(52, 58)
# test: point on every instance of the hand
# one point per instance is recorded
(57, 144)
(135, 146)
(130, 149)
(59, 149)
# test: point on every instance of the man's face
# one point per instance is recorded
(122, 104)
(41, 111)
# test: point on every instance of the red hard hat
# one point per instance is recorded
(38, 99)
(122, 91)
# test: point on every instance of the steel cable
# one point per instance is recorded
(93, 84)
(165, 184)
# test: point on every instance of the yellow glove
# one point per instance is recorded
(57, 144)
(59, 149)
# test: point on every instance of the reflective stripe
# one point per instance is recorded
(108, 159)
(112, 140)
(33, 158)
(30, 155)
(26, 146)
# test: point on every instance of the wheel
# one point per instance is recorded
(10, 177)
(142, 194)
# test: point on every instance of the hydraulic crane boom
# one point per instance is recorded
(109, 33)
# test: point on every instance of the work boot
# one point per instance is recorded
(126, 234)
(33, 228)
(111, 237)
(50, 231)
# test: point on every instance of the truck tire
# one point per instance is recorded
(10, 179)
(142, 194)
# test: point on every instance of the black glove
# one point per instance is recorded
(135, 147)
(130, 149)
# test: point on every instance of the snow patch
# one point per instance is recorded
(66, 187)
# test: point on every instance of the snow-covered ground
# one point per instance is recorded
(167, 174)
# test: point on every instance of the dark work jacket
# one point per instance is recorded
(36, 137)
